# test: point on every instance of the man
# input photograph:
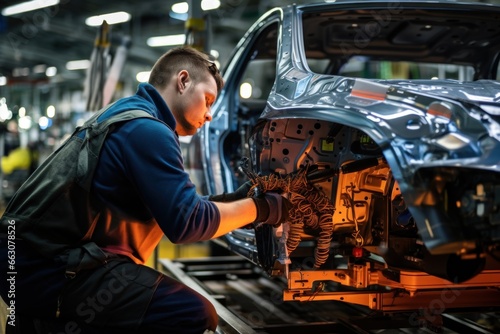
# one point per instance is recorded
(85, 268)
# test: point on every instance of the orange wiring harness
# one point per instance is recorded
(312, 210)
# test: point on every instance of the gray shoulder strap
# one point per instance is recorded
(94, 139)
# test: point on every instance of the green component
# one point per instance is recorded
(327, 145)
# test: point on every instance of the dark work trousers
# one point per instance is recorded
(118, 296)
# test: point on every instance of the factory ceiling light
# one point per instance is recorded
(180, 8)
(183, 7)
(28, 6)
(210, 4)
(78, 64)
(143, 76)
(111, 18)
(166, 40)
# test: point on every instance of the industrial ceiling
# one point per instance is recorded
(32, 41)
(50, 37)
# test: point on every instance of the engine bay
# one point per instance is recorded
(350, 223)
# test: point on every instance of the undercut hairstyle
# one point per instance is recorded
(197, 63)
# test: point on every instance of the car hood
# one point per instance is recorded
(417, 123)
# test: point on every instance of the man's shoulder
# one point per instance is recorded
(141, 128)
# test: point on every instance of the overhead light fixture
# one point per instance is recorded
(51, 111)
(111, 18)
(166, 40)
(24, 122)
(180, 8)
(78, 64)
(210, 4)
(214, 53)
(246, 90)
(51, 71)
(183, 7)
(143, 76)
(5, 112)
(28, 6)
(44, 123)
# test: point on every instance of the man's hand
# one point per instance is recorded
(240, 193)
(272, 209)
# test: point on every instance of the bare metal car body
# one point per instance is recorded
(409, 164)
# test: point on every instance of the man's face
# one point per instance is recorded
(194, 105)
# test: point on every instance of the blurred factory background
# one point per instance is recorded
(55, 59)
(56, 54)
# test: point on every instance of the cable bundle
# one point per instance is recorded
(311, 209)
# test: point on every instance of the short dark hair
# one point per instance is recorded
(197, 63)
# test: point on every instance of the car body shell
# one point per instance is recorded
(436, 141)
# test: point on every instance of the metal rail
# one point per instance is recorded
(235, 325)
(248, 302)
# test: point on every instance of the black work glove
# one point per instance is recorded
(272, 209)
(240, 193)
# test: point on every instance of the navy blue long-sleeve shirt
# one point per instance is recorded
(141, 181)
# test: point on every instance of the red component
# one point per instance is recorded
(357, 252)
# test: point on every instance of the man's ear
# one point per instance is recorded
(183, 80)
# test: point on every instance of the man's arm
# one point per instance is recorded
(270, 208)
(235, 215)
